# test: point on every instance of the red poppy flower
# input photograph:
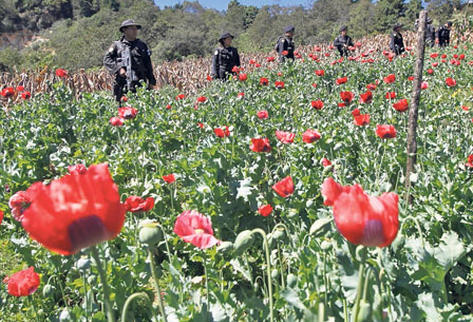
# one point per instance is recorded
(470, 161)
(314, 85)
(366, 97)
(430, 71)
(26, 95)
(284, 52)
(465, 108)
(320, 72)
(240, 95)
(401, 105)
(424, 85)
(196, 229)
(1, 217)
(362, 119)
(347, 97)
(221, 133)
(360, 218)
(170, 178)
(341, 104)
(252, 62)
(23, 283)
(127, 112)
(279, 84)
(265, 210)
(391, 78)
(385, 131)
(201, 99)
(342, 80)
(168, 107)
(390, 95)
(371, 87)
(318, 105)
(61, 73)
(201, 125)
(77, 169)
(21, 200)
(7, 92)
(411, 78)
(263, 81)
(260, 145)
(285, 187)
(116, 121)
(310, 136)
(355, 112)
(434, 55)
(262, 114)
(138, 204)
(75, 211)
(20, 88)
(326, 162)
(450, 82)
(242, 77)
(209, 78)
(180, 97)
(270, 59)
(236, 69)
(124, 99)
(285, 137)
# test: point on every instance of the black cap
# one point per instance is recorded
(289, 29)
(397, 25)
(225, 35)
(129, 23)
(449, 23)
(342, 28)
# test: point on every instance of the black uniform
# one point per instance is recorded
(342, 43)
(397, 43)
(443, 35)
(140, 64)
(285, 44)
(224, 59)
(430, 35)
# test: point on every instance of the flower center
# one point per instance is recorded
(87, 231)
(373, 233)
(199, 231)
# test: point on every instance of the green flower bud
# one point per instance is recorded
(365, 311)
(225, 246)
(48, 290)
(291, 280)
(150, 234)
(243, 241)
(274, 274)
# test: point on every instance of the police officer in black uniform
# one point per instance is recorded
(443, 34)
(397, 43)
(343, 41)
(285, 44)
(225, 57)
(140, 61)
(430, 33)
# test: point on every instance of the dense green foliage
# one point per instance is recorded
(426, 274)
(80, 31)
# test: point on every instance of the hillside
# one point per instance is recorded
(74, 34)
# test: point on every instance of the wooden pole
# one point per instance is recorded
(414, 105)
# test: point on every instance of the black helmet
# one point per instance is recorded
(449, 23)
(342, 28)
(289, 29)
(129, 23)
(225, 35)
(396, 26)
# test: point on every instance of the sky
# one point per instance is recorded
(222, 4)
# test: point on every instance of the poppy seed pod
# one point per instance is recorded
(243, 242)
(150, 234)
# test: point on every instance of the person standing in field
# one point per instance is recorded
(128, 60)
(225, 58)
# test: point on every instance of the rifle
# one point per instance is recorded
(130, 73)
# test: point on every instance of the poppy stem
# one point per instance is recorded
(84, 280)
(356, 308)
(206, 280)
(156, 282)
(268, 268)
(130, 299)
(103, 278)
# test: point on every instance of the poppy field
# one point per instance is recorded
(278, 195)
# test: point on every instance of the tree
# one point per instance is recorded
(413, 7)
(387, 14)
(361, 19)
